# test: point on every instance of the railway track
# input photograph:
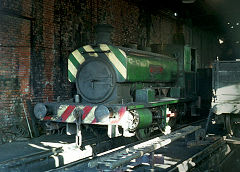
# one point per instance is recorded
(49, 158)
(60, 155)
(119, 159)
(20, 163)
(117, 154)
(132, 156)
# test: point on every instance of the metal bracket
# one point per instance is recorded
(79, 131)
(113, 131)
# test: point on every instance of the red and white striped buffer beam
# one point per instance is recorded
(90, 114)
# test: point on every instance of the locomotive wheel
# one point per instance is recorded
(229, 124)
(142, 134)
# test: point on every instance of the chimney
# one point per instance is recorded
(103, 33)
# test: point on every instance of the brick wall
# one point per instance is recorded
(15, 64)
(36, 37)
(43, 51)
(15, 53)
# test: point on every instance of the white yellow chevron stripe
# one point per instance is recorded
(78, 56)
(72, 68)
(123, 53)
(115, 61)
(89, 48)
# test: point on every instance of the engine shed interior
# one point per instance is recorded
(119, 69)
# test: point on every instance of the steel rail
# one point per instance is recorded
(197, 159)
(122, 158)
(23, 161)
(91, 160)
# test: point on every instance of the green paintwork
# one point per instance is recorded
(145, 118)
(152, 104)
(138, 69)
(145, 95)
(187, 58)
(136, 107)
(122, 60)
(71, 78)
(175, 92)
(164, 103)
(118, 54)
(75, 63)
(164, 116)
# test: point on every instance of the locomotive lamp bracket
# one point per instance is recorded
(79, 130)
